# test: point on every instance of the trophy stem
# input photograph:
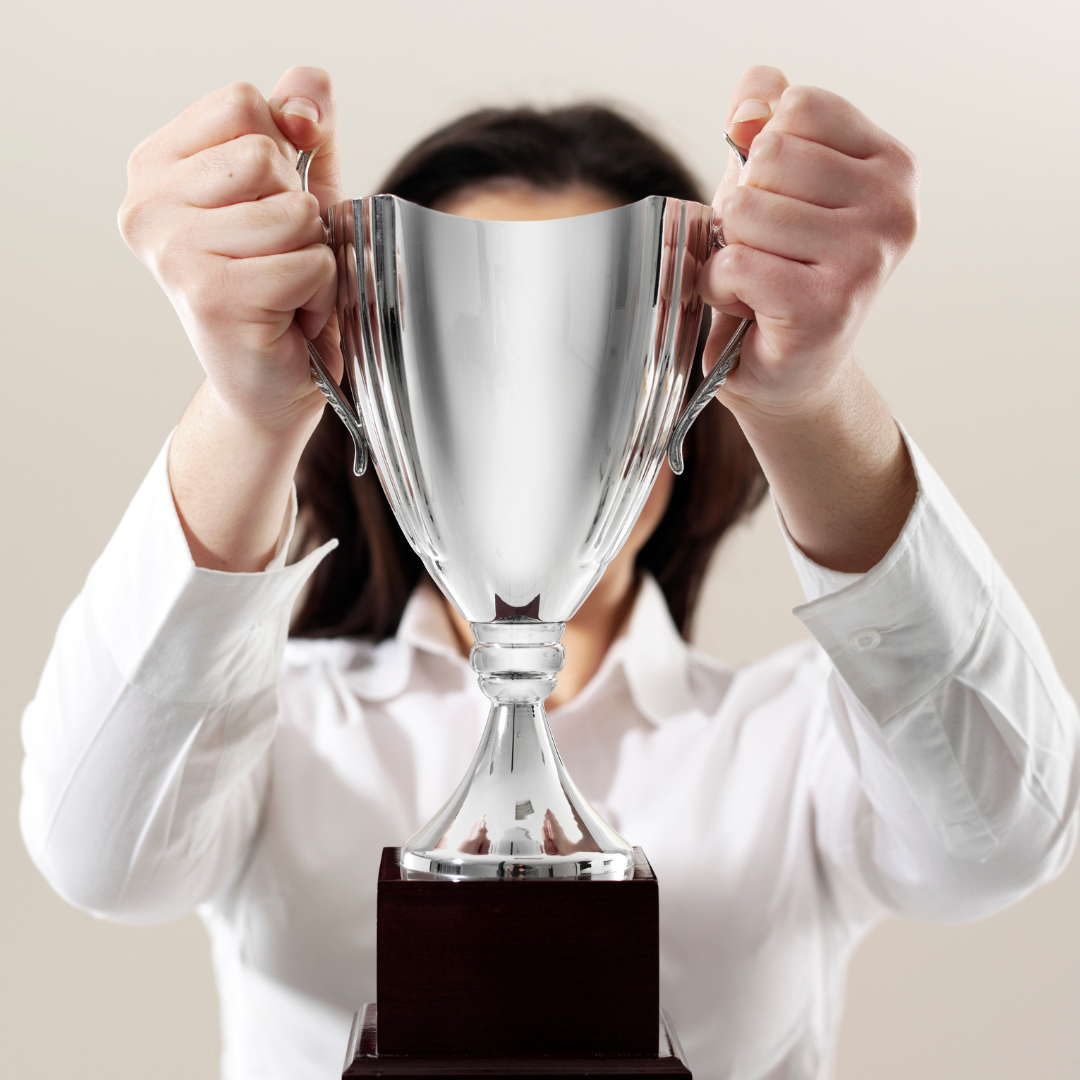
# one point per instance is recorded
(516, 813)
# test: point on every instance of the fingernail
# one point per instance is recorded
(751, 109)
(298, 106)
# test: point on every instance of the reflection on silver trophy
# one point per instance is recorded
(518, 385)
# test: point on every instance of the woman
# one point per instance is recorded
(921, 757)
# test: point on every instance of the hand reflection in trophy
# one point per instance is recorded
(516, 385)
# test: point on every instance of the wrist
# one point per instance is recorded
(766, 407)
(231, 476)
(271, 429)
(838, 469)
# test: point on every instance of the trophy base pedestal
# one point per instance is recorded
(364, 1059)
(533, 968)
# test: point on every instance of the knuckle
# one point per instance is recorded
(168, 264)
(900, 205)
(138, 157)
(322, 262)
(243, 100)
(128, 219)
(767, 146)
(895, 211)
(134, 220)
(901, 219)
(738, 258)
(299, 208)
(261, 152)
(737, 201)
(797, 99)
(906, 163)
(289, 212)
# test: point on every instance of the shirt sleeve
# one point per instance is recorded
(948, 775)
(146, 743)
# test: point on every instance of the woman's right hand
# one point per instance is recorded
(216, 212)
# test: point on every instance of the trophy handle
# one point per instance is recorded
(321, 373)
(724, 366)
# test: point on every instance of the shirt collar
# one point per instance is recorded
(425, 624)
(382, 671)
(654, 658)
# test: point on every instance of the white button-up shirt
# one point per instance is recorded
(919, 757)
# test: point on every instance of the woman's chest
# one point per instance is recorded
(720, 810)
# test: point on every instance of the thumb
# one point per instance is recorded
(756, 96)
(753, 103)
(303, 107)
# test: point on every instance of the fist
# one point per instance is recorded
(815, 223)
(215, 211)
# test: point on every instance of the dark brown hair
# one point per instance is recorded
(361, 588)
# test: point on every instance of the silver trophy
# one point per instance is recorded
(518, 385)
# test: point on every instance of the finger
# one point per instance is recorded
(219, 117)
(757, 93)
(327, 341)
(746, 282)
(782, 226)
(304, 109)
(756, 96)
(801, 169)
(270, 226)
(721, 329)
(250, 167)
(826, 118)
(293, 281)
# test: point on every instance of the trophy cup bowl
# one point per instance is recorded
(517, 384)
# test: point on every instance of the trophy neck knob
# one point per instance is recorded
(517, 659)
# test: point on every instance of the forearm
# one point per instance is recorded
(952, 774)
(231, 481)
(146, 743)
(838, 469)
(133, 807)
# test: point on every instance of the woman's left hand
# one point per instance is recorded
(814, 225)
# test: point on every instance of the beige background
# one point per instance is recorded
(973, 345)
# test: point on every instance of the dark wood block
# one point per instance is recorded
(517, 968)
(364, 1059)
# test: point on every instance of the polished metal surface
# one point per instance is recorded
(319, 371)
(332, 392)
(725, 363)
(516, 812)
(517, 384)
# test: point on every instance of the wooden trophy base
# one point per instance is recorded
(363, 1059)
(531, 977)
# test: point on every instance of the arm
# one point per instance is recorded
(147, 742)
(949, 768)
(815, 223)
(215, 211)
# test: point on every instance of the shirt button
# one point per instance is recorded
(864, 640)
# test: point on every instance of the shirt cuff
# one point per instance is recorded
(817, 581)
(181, 632)
(896, 631)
